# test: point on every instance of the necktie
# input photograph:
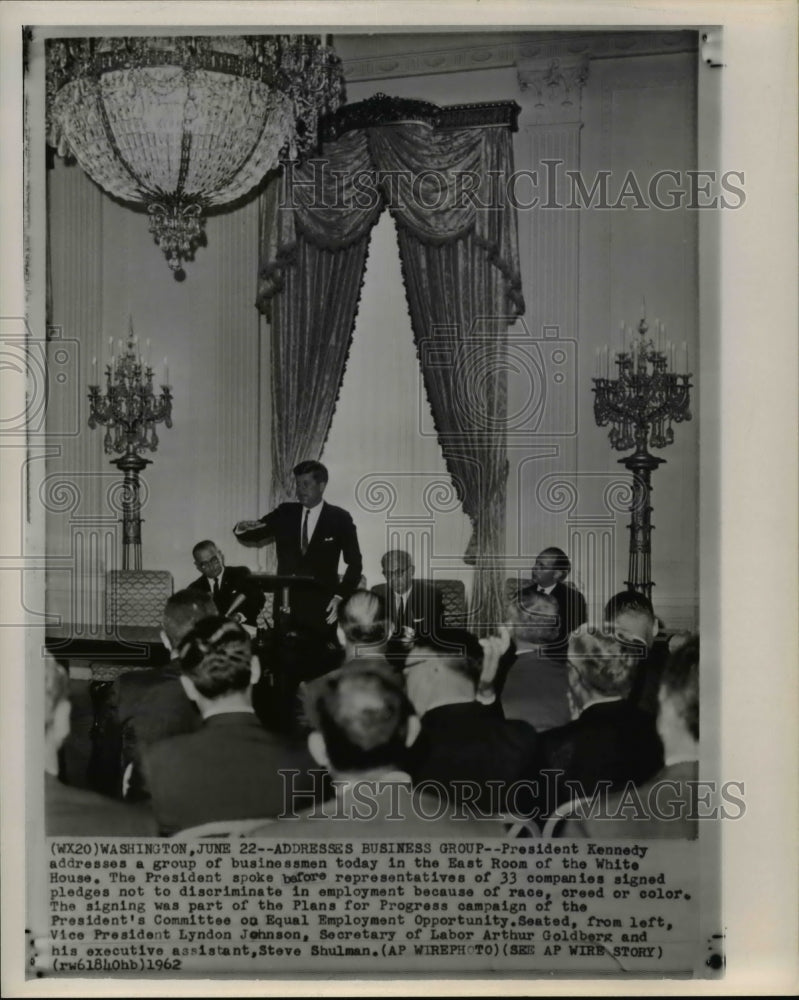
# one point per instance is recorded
(400, 613)
(215, 590)
(304, 541)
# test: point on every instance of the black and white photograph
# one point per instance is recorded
(392, 491)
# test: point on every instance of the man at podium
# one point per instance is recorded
(310, 536)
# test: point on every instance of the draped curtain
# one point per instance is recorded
(447, 192)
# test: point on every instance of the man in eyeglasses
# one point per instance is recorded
(233, 592)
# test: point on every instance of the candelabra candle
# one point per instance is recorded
(129, 408)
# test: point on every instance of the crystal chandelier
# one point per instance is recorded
(183, 124)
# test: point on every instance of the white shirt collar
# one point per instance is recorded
(680, 758)
(547, 590)
(599, 701)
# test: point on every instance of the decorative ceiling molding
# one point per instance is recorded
(487, 55)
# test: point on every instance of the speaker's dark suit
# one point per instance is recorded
(236, 580)
(333, 538)
(423, 611)
(572, 612)
(228, 769)
(611, 741)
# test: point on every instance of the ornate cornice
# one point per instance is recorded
(382, 110)
(555, 85)
(455, 58)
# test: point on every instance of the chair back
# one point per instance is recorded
(136, 596)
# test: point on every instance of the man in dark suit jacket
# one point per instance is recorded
(151, 704)
(473, 755)
(412, 606)
(666, 806)
(233, 591)
(231, 767)
(551, 568)
(609, 741)
(311, 536)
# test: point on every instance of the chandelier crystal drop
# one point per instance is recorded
(184, 124)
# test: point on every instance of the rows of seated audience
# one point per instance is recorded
(420, 728)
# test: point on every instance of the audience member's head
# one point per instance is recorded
(601, 666)
(678, 701)
(217, 666)
(362, 623)
(310, 480)
(533, 617)
(630, 615)
(551, 566)
(398, 568)
(361, 718)
(444, 669)
(208, 559)
(182, 611)
(56, 711)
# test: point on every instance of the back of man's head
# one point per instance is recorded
(679, 690)
(630, 614)
(534, 616)
(362, 713)
(362, 618)
(604, 664)
(457, 649)
(183, 611)
(216, 656)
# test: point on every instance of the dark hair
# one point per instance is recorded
(217, 656)
(628, 600)
(362, 618)
(460, 649)
(605, 663)
(680, 683)
(206, 544)
(317, 470)
(362, 713)
(183, 610)
(561, 561)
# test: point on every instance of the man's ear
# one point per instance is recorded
(255, 670)
(188, 686)
(318, 749)
(413, 730)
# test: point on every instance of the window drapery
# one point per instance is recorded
(443, 174)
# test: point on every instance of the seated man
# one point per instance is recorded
(231, 588)
(413, 607)
(230, 767)
(630, 615)
(77, 812)
(466, 747)
(151, 704)
(536, 687)
(666, 806)
(362, 725)
(551, 568)
(609, 740)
